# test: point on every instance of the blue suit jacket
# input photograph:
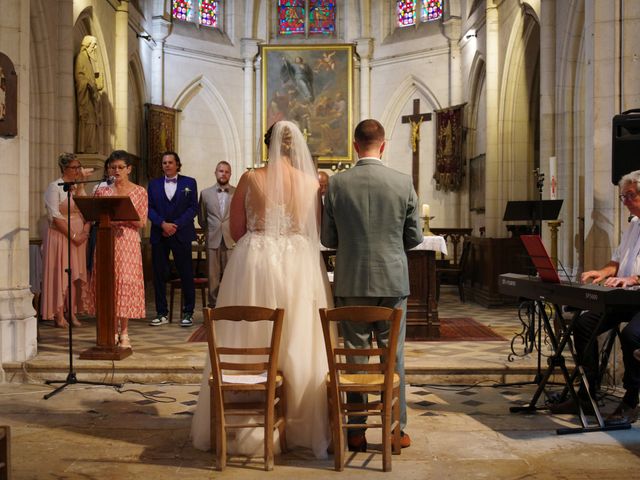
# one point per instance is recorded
(181, 209)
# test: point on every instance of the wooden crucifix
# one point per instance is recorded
(415, 120)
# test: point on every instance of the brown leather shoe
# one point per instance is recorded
(570, 407)
(405, 440)
(623, 414)
(357, 443)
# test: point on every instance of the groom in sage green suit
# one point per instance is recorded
(371, 218)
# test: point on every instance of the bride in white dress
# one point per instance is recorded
(277, 263)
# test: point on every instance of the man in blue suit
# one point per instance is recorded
(173, 204)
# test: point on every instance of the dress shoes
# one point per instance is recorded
(357, 443)
(569, 406)
(405, 440)
(622, 415)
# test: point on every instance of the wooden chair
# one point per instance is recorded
(454, 273)
(238, 374)
(200, 280)
(5, 453)
(376, 377)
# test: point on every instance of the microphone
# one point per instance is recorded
(109, 180)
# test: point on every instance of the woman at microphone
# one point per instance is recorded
(55, 288)
(129, 280)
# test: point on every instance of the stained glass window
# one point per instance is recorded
(431, 10)
(291, 16)
(182, 10)
(209, 13)
(322, 16)
(406, 10)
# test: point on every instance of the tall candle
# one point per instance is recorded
(425, 210)
(553, 176)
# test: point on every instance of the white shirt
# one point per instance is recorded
(627, 253)
(170, 187)
(53, 197)
(223, 196)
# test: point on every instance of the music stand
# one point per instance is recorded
(532, 210)
(535, 211)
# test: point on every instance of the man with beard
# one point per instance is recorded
(213, 216)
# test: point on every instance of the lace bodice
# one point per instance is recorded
(286, 216)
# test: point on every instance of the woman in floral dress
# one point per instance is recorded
(129, 280)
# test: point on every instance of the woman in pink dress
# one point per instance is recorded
(129, 278)
(55, 288)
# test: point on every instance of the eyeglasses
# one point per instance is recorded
(117, 167)
(76, 167)
(628, 196)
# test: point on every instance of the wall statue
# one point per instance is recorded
(89, 85)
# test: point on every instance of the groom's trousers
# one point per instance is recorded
(359, 336)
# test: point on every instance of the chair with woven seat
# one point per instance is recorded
(200, 280)
(376, 377)
(242, 369)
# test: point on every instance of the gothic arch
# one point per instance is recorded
(519, 108)
(85, 25)
(139, 91)
(403, 94)
(477, 76)
(221, 112)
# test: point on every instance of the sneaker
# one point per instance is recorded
(186, 320)
(159, 320)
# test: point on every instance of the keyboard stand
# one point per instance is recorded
(557, 360)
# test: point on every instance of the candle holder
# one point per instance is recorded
(425, 226)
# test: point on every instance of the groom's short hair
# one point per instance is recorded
(369, 132)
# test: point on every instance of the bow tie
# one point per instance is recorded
(225, 190)
(171, 180)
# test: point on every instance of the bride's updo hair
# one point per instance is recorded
(285, 142)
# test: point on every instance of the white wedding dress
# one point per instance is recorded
(277, 264)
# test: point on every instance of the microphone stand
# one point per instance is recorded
(72, 379)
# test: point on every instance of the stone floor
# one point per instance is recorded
(458, 420)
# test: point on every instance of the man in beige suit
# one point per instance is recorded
(213, 216)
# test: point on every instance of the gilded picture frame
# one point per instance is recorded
(313, 87)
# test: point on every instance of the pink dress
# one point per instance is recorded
(56, 261)
(130, 302)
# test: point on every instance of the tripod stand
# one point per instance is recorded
(72, 378)
(536, 211)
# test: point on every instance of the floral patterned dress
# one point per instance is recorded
(129, 278)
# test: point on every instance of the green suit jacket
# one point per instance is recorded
(371, 218)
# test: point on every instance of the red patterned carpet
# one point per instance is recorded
(465, 329)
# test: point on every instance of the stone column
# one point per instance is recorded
(249, 50)
(364, 48)
(66, 97)
(160, 30)
(452, 30)
(493, 217)
(122, 75)
(17, 322)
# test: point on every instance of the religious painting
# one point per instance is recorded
(477, 183)
(8, 97)
(161, 132)
(449, 160)
(312, 87)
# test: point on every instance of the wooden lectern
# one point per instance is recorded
(105, 210)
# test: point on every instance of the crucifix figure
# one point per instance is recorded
(415, 120)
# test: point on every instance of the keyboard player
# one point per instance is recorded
(622, 271)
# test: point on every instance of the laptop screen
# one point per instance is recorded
(540, 258)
